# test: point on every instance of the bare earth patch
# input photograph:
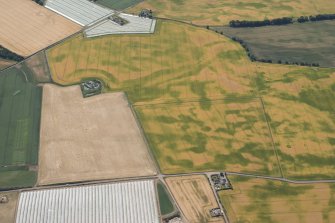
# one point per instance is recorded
(89, 139)
(7, 210)
(194, 197)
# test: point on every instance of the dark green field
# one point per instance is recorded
(118, 4)
(311, 42)
(165, 203)
(20, 109)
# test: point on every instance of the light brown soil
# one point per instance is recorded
(27, 27)
(5, 63)
(7, 210)
(89, 139)
(195, 198)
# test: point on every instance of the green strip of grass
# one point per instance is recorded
(165, 202)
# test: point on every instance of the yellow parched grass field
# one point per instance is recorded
(220, 12)
(259, 200)
(198, 95)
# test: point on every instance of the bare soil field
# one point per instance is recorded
(259, 200)
(89, 139)
(194, 197)
(27, 27)
(8, 210)
(220, 12)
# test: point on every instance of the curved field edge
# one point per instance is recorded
(204, 106)
(220, 12)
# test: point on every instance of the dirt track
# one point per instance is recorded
(27, 27)
(89, 139)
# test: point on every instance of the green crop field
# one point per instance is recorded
(165, 203)
(259, 200)
(20, 107)
(118, 4)
(311, 42)
(204, 106)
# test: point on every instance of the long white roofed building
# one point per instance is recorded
(97, 19)
(125, 202)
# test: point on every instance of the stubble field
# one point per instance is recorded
(220, 12)
(35, 27)
(89, 138)
(259, 200)
(183, 65)
(194, 197)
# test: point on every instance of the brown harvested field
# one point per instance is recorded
(220, 12)
(194, 197)
(259, 200)
(89, 139)
(8, 210)
(27, 27)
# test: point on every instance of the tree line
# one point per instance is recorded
(9, 55)
(280, 21)
(266, 22)
(40, 2)
(314, 18)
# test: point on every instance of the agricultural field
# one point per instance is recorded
(259, 200)
(8, 210)
(230, 134)
(165, 202)
(117, 4)
(194, 197)
(291, 43)
(91, 138)
(38, 65)
(220, 12)
(20, 107)
(182, 69)
(27, 27)
(5, 63)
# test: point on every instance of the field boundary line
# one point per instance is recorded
(271, 136)
(144, 136)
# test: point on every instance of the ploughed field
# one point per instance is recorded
(198, 95)
(220, 12)
(311, 42)
(259, 200)
(89, 138)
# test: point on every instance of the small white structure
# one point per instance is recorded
(127, 202)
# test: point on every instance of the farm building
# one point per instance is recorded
(99, 20)
(126, 202)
